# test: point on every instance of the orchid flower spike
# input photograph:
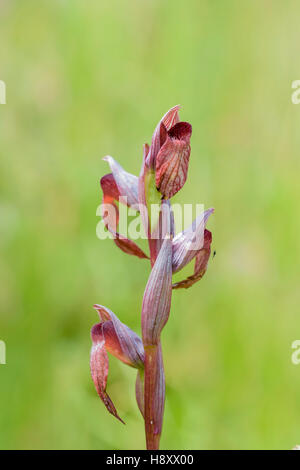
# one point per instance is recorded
(163, 173)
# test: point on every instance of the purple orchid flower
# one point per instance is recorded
(163, 173)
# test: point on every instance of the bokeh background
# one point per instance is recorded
(89, 78)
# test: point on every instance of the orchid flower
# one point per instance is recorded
(119, 186)
(163, 173)
(113, 336)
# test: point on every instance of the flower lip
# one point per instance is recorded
(181, 131)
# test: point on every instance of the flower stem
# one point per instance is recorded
(154, 395)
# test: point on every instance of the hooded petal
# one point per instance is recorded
(126, 182)
(130, 343)
(160, 134)
(172, 160)
(157, 296)
(187, 244)
(201, 262)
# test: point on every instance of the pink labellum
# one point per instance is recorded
(201, 262)
(187, 244)
(172, 160)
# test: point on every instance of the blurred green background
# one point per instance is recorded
(89, 78)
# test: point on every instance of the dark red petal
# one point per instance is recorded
(109, 187)
(181, 131)
(201, 263)
(99, 369)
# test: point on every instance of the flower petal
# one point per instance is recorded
(172, 160)
(187, 244)
(201, 262)
(109, 187)
(110, 215)
(129, 247)
(113, 336)
(126, 182)
(171, 117)
(157, 296)
(99, 369)
(131, 344)
(160, 133)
